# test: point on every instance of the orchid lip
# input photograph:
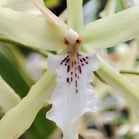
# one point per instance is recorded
(74, 68)
(73, 95)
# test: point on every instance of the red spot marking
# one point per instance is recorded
(79, 68)
(67, 60)
(71, 79)
(76, 91)
(71, 73)
(68, 68)
(68, 80)
(64, 60)
(86, 57)
(81, 60)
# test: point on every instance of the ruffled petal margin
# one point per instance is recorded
(73, 95)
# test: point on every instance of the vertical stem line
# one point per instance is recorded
(75, 14)
(110, 8)
(124, 87)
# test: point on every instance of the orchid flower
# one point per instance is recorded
(73, 92)
(73, 95)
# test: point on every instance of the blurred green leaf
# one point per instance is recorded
(42, 127)
(8, 98)
(17, 59)
(13, 77)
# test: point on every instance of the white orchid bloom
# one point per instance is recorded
(73, 95)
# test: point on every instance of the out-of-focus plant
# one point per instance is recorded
(22, 24)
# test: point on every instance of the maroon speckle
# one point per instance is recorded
(84, 59)
(74, 68)
(81, 60)
(68, 68)
(71, 79)
(79, 68)
(68, 80)
(64, 60)
(67, 60)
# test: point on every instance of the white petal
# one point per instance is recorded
(73, 95)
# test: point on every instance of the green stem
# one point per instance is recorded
(75, 14)
(123, 4)
(19, 61)
(129, 72)
(125, 88)
(20, 118)
(110, 8)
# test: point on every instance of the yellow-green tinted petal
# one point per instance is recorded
(8, 98)
(29, 30)
(75, 14)
(20, 118)
(21, 5)
(112, 30)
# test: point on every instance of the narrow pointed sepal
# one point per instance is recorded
(51, 18)
(73, 95)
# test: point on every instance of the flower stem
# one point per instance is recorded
(110, 8)
(129, 72)
(125, 88)
(75, 14)
(123, 4)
